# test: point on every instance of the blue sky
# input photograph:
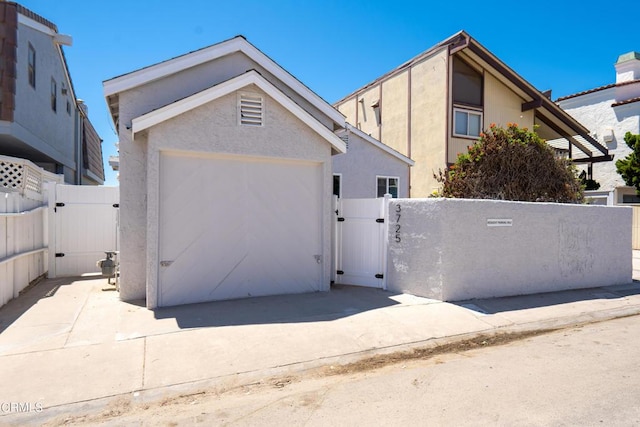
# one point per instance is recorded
(334, 47)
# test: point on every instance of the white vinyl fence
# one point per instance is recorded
(47, 228)
(23, 225)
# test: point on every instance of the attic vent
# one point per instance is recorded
(251, 110)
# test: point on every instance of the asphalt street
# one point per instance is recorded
(586, 375)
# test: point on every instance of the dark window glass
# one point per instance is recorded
(54, 98)
(467, 84)
(32, 66)
(630, 198)
(388, 185)
(336, 185)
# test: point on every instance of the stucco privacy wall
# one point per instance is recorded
(445, 249)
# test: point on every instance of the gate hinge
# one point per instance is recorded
(339, 272)
(380, 220)
(59, 255)
(59, 204)
(379, 276)
(340, 219)
(116, 205)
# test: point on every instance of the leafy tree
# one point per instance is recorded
(511, 164)
(629, 167)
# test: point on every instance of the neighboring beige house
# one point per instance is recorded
(434, 106)
(40, 118)
(611, 111)
(225, 178)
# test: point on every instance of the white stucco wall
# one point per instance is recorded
(195, 79)
(211, 128)
(595, 112)
(360, 166)
(445, 250)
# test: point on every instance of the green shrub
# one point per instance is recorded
(511, 163)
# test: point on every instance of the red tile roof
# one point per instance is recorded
(628, 101)
(609, 86)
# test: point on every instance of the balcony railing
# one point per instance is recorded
(24, 177)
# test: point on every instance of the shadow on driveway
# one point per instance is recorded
(30, 296)
(341, 301)
(523, 302)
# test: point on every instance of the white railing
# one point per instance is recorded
(23, 246)
(23, 224)
(24, 177)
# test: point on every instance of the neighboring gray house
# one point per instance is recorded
(611, 111)
(369, 168)
(40, 118)
(225, 178)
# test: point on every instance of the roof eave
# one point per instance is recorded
(543, 104)
(380, 145)
(236, 44)
(162, 114)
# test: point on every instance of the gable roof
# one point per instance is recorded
(237, 44)
(547, 112)
(371, 140)
(176, 108)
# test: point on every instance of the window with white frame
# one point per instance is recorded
(250, 109)
(467, 95)
(467, 123)
(387, 184)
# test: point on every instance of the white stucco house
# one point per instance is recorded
(226, 177)
(609, 112)
(369, 169)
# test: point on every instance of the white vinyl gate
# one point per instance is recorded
(360, 254)
(83, 225)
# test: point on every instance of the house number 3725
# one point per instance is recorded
(398, 226)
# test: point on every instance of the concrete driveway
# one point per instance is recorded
(71, 342)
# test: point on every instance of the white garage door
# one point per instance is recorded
(235, 227)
